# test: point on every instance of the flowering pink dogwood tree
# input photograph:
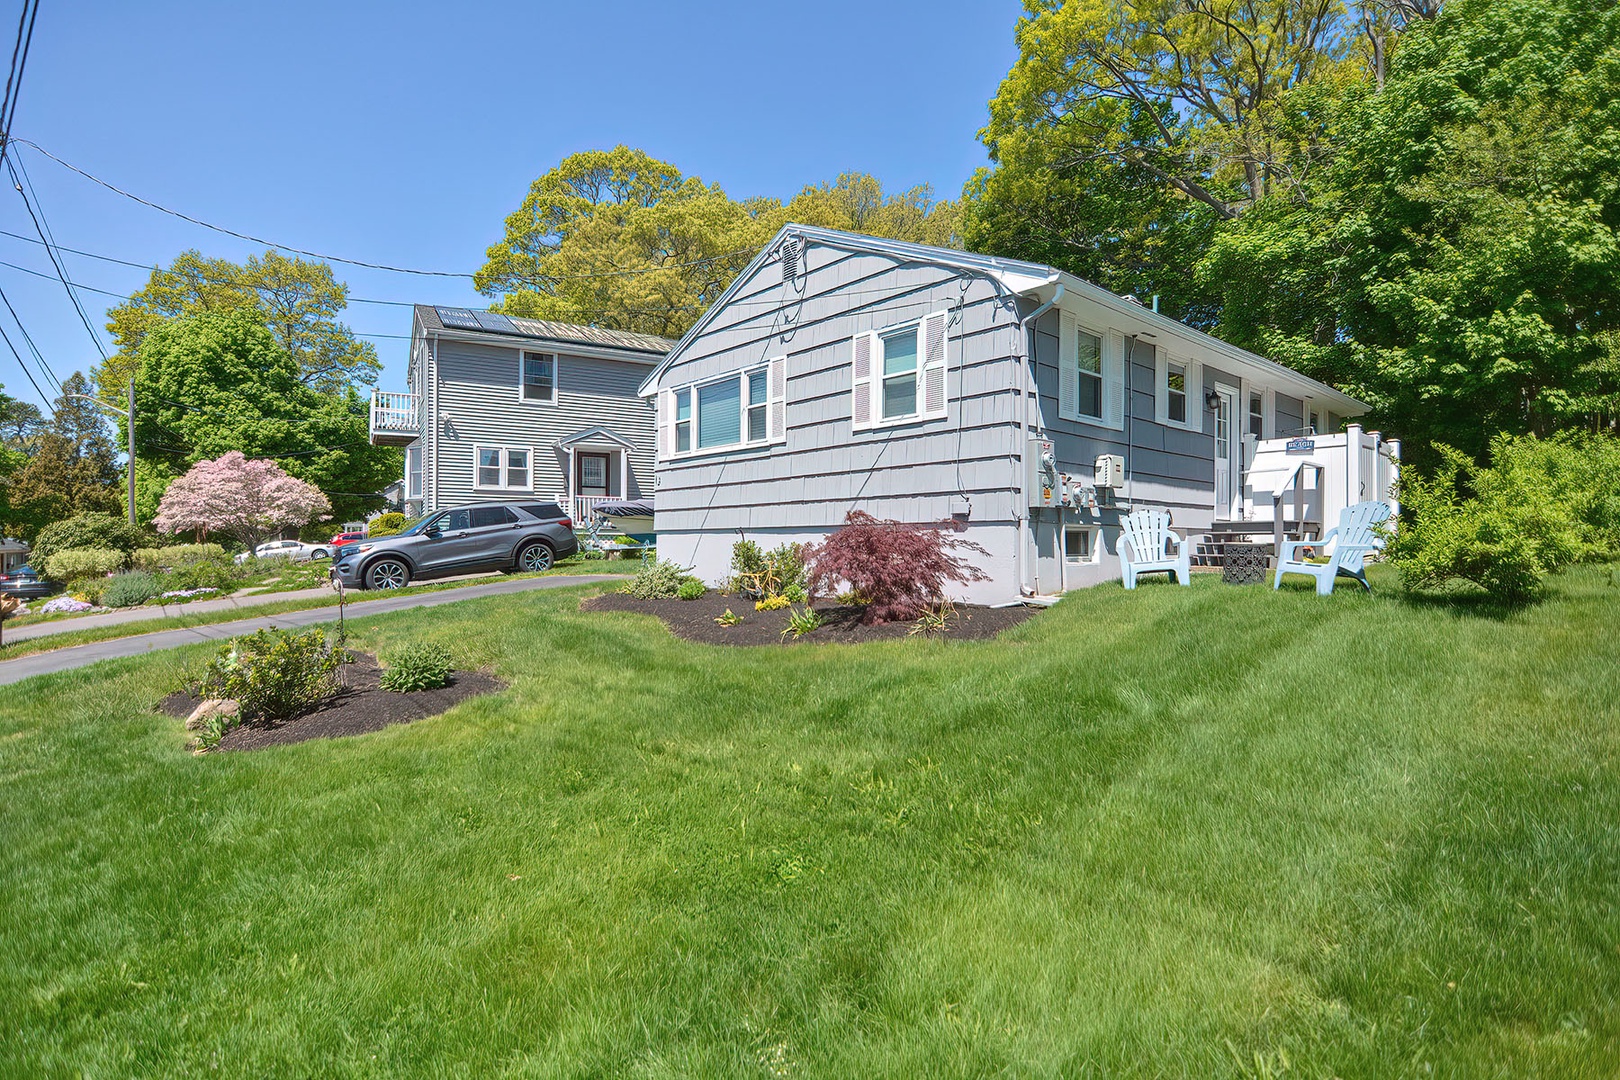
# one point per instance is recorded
(249, 500)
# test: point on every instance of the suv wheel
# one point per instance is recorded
(387, 574)
(536, 556)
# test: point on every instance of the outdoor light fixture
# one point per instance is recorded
(1212, 399)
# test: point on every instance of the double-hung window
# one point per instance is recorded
(744, 409)
(1091, 384)
(537, 377)
(1175, 392)
(898, 374)
(501, 468)
(1178, 392)
(413, 472)
(1257, 413)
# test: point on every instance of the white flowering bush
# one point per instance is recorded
(65, 605)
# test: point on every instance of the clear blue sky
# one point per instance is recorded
(404, 133)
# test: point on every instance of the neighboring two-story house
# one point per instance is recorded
(502, 408)
(842, 372)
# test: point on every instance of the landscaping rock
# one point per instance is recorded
(221, 707)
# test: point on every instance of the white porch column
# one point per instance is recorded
(1352, 465)
(624, 473)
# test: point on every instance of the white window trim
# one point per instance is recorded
(874, 383)
(775, 372)
(1111, 346)
(417, 492)
(1095, 545)
(506, 467)
(556, 368)
(1194, 411)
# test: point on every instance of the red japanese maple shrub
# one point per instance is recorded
(900, 570)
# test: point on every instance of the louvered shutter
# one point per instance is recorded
(935, 340)
(863, 347)
(1068, 364)
(776, 398)
(666, 424)
(1114, 362)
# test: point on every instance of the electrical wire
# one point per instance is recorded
(61, 272)
(19, 63)
(39, 357)
(631, 272)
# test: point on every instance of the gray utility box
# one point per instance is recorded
(1042, 480)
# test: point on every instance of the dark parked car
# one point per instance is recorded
(25, 583)
(462, 540)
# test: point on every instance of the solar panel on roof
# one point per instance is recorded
(458, 318)
(495, 321)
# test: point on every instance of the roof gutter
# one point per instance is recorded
(1026, 378)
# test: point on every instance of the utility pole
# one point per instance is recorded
(131, 429)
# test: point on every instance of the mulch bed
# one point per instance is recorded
(359, 708)
(694, 620)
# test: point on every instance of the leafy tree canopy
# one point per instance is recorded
(1458, 265)
(70, 465)
(297, 299)
(214, 382)
(617, 238)
(249, 500)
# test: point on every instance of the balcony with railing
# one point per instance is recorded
(396, 419)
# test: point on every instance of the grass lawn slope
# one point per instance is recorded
(1205, 832)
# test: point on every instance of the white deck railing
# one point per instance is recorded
(582, 506)
(395, 414)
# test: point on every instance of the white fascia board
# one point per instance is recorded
(1270, 372)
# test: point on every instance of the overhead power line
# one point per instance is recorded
(94, 179)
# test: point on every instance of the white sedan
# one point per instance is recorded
(296, 550)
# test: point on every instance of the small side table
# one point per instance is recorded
(1244, 564)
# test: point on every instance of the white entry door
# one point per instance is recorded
(1228, 454)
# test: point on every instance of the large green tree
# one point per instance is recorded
(70, 467)
(213, 382)
(620, 239)
(1129, 131)
(1460, 266)
(299, 300)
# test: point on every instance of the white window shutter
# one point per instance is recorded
(776, 400)
(1114, 361)
(935, 343)
(1068, 365)
(864, 349)
(1161, 387)
(666, 424)
(1195, 395)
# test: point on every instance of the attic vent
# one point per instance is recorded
(790, 259)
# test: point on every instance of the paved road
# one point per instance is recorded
(148, 612)
(43, 663)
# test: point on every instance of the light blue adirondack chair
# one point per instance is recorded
(1352, 540)
(1145, 541)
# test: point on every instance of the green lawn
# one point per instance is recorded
(1200, 832)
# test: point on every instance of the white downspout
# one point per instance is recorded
(1026, 330)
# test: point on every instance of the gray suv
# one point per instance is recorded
(461, 540)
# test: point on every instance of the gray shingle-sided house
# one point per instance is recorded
(842, 372)
(501, 408)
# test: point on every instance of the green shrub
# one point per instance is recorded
(422, 666)
(76, 563)
(82, 531)
(1539, 506)
(89, 589)
(758, 575)
(274, 675)
(657, 580)
(175, 556)
(388, 524)
(130, 590)
(691, 589)
(223, 576)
